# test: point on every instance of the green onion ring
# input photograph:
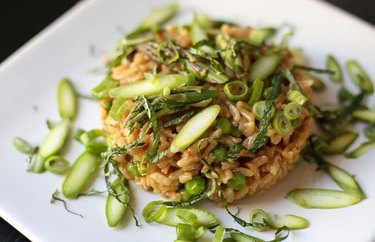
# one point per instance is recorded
(240, 90)
(282, 125)
(292, 111)
(297, 96)
(57, 164)
(151, 214)
(256, 91)
(167, 52)
(187, 217)
(260, 218)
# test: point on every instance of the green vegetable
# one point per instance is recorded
(57, 165)
(236, 90)
(185, 232)
(185, 195)
(132, 169)
(362, 149)
(341, 142)
(359, 76)
(114, 209)
(148, 87)
(258, 36)
(256, 91)
(67, 100)
(318, 85)
(260, 218)
(282, 125)
(196, 186)
(234, 151)
(118, 108)
(297, 97)
(241, 237)
(333, 65)
(220, 153)
(225, 125)
(178, 120)
(292, 111)
(167, 52)
(365, 115)
(197, 31)
(37, 164)
(321, 198)
(219, 234)
(94, 141)
(55, 139)
(369, 132)
(264, 66)
(194, 128)
(81, 173)
(23, 146)
(293, 222)
(344, 95)
(101, 90)
(259, 109)
(262, 138)
(159, 16)
(238, 181)
(344, 180)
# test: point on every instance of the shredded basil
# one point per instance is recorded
(178, 120)
(55, 197)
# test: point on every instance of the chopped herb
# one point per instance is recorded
(56, 198)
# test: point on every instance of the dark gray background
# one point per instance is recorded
(21, 20)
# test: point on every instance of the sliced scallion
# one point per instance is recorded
(23, 146)
(256, 91)
(167, 52)
(114, 209)
(241, 237)
(359, 76)
(80, 174)
(94, 141)
(362, 149)
(282, 125)
(67, 100)
(236, 90)
(344, 95)
(322, 198)
(118, 108)
(101, 90)
(369, 132)
(147, 88)
(293, 222)
(264, 66)
(292, 111)
(260, 218)
(194, 128)
(57, 164)
(55, 139)
(365, 115)
(159, 16)
(297, 96)
(341, 142)
(258, 109)
(219, 234)
(333, 65)
(258, 36)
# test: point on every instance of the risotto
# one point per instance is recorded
(160, 82)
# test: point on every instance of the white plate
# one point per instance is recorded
(28, 80)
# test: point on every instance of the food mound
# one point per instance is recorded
(209, 109)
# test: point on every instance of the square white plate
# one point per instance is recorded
(72, 47)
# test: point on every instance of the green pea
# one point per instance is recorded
(221, 153)
(235, 132)
(225, 125)
(196, 185)
(185, 195)
(132, 169)
(238, 181)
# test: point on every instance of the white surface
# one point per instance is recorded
(29, 78)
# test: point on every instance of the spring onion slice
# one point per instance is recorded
(219, 234)
(365, 115)
(264, 66)
(159, 16)
(259, 109)
(101, 90)
(362, 149)
(194, 128)
(80, 174)
(94, 141)
(369, 132)
(67, 99)
(167, 52)
(359, 76)
(236, 90)
(261, 218)
(258, 36)
(318, 85)
(282, 125)
(321, 198)
(37, 164)
(57, 165)
(114, 209)
(241, 237)
(185, 232)
(340, 143)
(256, 91)
(333, 65)
(293, 222)
(118, 108)
(344, 180)
(292, 111)
(297, 97)
(147, 88)
(23, 146)
(55, 139)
